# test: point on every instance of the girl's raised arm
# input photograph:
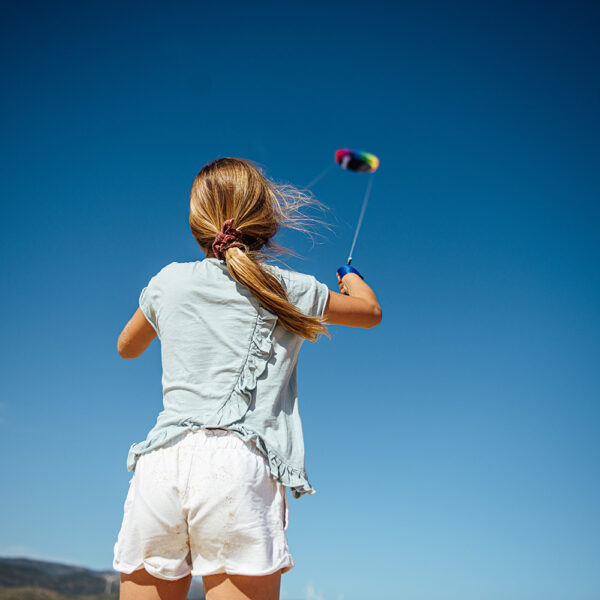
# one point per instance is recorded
(359, 308)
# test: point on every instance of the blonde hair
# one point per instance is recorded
(235, 188)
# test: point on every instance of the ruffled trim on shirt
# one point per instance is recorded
(292, 477)
(257, 358)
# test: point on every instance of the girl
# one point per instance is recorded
(208, 496)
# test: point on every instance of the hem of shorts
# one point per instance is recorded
(247, 574)
(128, 569)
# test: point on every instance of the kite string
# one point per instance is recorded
(319, 177)
(360, 218)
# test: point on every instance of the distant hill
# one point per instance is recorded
(64, 579)
(37, 593)
(30, 579)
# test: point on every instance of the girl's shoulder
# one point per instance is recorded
(169, 268)
(174, 276)
(177, 269)
(289, 276)
(303, 290)
(169, 271)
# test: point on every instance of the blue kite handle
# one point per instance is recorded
(345, 270)
(348, 269)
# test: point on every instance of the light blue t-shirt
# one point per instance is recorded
(228, 363)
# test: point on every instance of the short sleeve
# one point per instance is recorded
(149, 298)
(152, 296)
(309, 294)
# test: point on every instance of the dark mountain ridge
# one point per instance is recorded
(66, 579)
(69, 580)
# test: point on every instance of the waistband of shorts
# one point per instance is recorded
(204, 437)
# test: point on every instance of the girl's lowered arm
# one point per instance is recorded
(136, 336)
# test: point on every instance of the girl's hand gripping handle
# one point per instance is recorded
(356, 306)
(340, 275)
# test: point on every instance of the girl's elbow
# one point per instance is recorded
(375, 317)
(124, 349)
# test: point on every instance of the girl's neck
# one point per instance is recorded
(208, 252)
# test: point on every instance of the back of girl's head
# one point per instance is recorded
(234, 188)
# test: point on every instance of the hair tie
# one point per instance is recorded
(228, 237)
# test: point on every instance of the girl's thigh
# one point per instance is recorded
(140, 585)
(242, 587)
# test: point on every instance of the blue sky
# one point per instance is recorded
(455, 447)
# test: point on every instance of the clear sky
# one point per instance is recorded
(454, 448)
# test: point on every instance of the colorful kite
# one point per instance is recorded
(362, 162)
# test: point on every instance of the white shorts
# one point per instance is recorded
(204, 503)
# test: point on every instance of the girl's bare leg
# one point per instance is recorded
(242, 587)
(140, 585)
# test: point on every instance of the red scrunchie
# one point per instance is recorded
(228, 237)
